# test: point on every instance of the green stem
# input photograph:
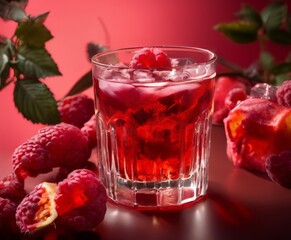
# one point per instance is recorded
(230, 65)
(262, 44)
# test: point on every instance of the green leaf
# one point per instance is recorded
(40, 18)
(281, 68)
(5, 57)
(288, 26)
(94, 48)
(4, 70)
(281, 78)
(36, 62)
(248, 13)
(36, 102)
(2, 39)
(13, 10)
(240, 32)
(83, 84)
(266, 60)
(273, 15)
(33, 34)
(279, 36)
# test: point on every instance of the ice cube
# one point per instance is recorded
(174, 75)
(180, 62)
(195, 72)
(116, 74)
(143, 76)
(264, 91)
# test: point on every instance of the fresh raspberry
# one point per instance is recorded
(224, 84)
(283, 94)
(37, 209)
(89, 130)
(61, 145)
(278, 168)
(81, 201)
(76, 109)
(150, 58)
(12, 188)
(234, 97)
(66, 145)
(31, 159)
(7, 217)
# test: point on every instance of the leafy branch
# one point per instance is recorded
(25, 62)
(85, 81)
(272, 24)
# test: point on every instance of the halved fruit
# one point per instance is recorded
(38, 209)
(256, 129)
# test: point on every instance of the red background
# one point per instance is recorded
(129, 23)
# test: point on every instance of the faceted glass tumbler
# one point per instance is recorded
(153, 126)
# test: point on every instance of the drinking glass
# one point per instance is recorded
(153, 126)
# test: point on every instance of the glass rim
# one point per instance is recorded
(213, 57)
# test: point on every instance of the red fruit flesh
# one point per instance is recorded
(81, 201)
(256, 129)
(38, 209)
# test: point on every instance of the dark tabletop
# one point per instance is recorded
(238, 205)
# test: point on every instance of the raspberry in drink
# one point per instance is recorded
(153, 127)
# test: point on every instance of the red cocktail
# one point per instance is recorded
(153, 125)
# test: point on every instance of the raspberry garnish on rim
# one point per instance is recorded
(150, 58)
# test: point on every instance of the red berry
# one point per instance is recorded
(38, 209)
(223, 86)
(7, 217)
(89, 130)
(278, 168)
(61, 145)
(77, 203)
(81, 201)
(150, 58)
(66, 145)
(283, 94)
(12, 188)
(31, 159)
(234, 97)
(76, 109)
(162, 60)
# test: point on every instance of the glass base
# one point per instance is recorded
(159, 195)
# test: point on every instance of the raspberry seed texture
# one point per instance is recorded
(38, 209)
(278, 168)
(81, 201)
(76, 109)
(283, 94)
(62, 145)
(150, 58)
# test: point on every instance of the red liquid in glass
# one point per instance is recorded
(150, 127)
